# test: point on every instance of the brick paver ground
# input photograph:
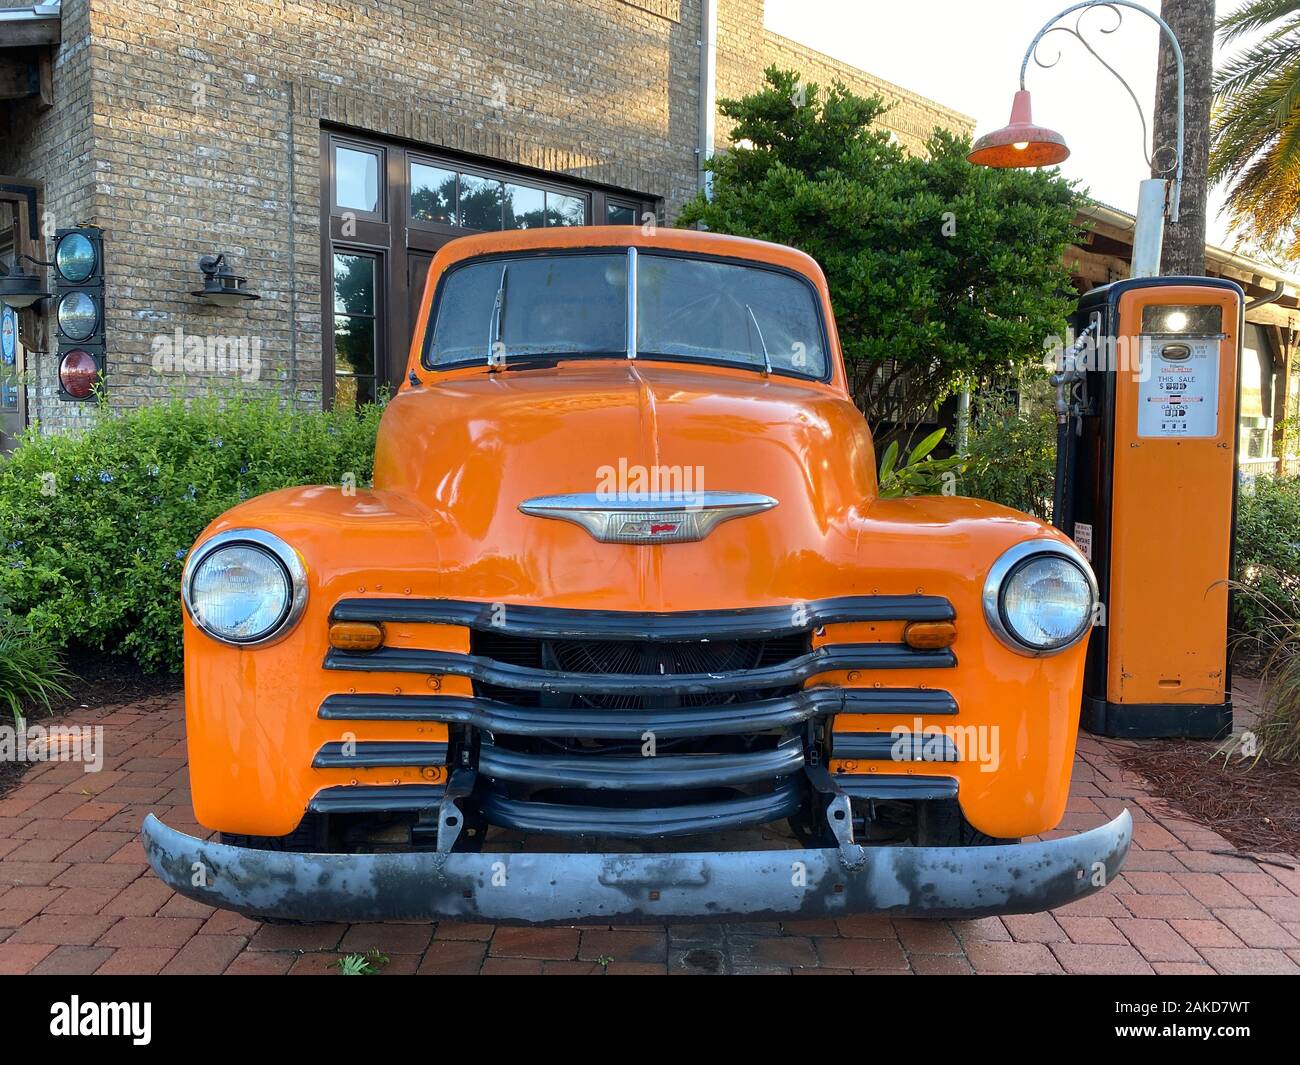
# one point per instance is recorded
(76, 897)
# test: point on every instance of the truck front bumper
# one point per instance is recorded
(542, 888)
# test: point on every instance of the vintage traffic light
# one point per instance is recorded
(1146, 486)
(79, 310)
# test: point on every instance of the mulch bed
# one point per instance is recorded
(1255, 805)
(99, 680)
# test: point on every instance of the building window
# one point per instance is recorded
(480, 202)
(1293, 416)
(565, 210)
(356, 328)
(433, 194)
(358, 179)
(620, 214)
(475, 201)
(1256, 425)
(525, 207)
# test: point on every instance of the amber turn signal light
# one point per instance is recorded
(930, 635)
(356, 635)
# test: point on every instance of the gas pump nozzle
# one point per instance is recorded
(1069, 373)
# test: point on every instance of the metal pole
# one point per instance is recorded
(1149, 232)
(708, 44)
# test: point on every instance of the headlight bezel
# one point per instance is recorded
(1009, 562)
(269, 544)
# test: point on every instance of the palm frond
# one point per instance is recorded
(1255, 127)
(1263, 60)
(1252, 16)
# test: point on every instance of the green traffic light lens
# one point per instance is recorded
(74, 257)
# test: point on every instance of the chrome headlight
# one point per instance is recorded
(244, 587)
(1039, 597)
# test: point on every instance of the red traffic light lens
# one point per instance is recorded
(77, 374)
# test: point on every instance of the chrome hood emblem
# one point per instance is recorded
(650, 518)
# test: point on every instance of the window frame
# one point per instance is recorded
(1269, 379)
(636, 207)
(380, 152)
(379, 258)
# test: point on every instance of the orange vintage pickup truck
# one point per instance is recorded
(624, 587)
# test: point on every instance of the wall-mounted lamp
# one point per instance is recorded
(221, 285)
(20, 289)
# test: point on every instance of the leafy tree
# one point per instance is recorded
(1255, 134)
(940, 272)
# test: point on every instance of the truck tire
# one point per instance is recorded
(942, 824)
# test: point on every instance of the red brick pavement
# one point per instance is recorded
(77, 897)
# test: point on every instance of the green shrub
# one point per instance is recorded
(920, 473)
(1280, 687)
(94, 525)
(1273, 644)
(1268, 554)
(1280, 690)
(1011, 458)
(31, 674)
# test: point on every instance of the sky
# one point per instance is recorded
(965, 54)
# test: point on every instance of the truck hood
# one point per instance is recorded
(472, 448)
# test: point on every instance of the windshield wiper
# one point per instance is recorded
(532, 360)
(767, 362)
(495, 323)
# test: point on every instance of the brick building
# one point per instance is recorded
(327, 148)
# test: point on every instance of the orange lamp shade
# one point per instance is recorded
(1019, 143)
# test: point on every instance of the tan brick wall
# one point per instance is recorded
(54, 146)
(206, 121)
(746, 49)
(184, 128)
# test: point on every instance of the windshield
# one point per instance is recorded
(517, 310)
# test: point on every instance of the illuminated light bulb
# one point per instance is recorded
(1020, 146)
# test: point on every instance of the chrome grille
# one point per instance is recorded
(563, 700)
(634, 657)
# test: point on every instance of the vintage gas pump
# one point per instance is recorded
(1146, 486)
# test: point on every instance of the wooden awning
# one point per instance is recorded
(28, 37)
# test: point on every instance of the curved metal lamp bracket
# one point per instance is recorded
(1076, 31)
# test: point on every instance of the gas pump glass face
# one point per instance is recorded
(1197, 320)
(1046, 602)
